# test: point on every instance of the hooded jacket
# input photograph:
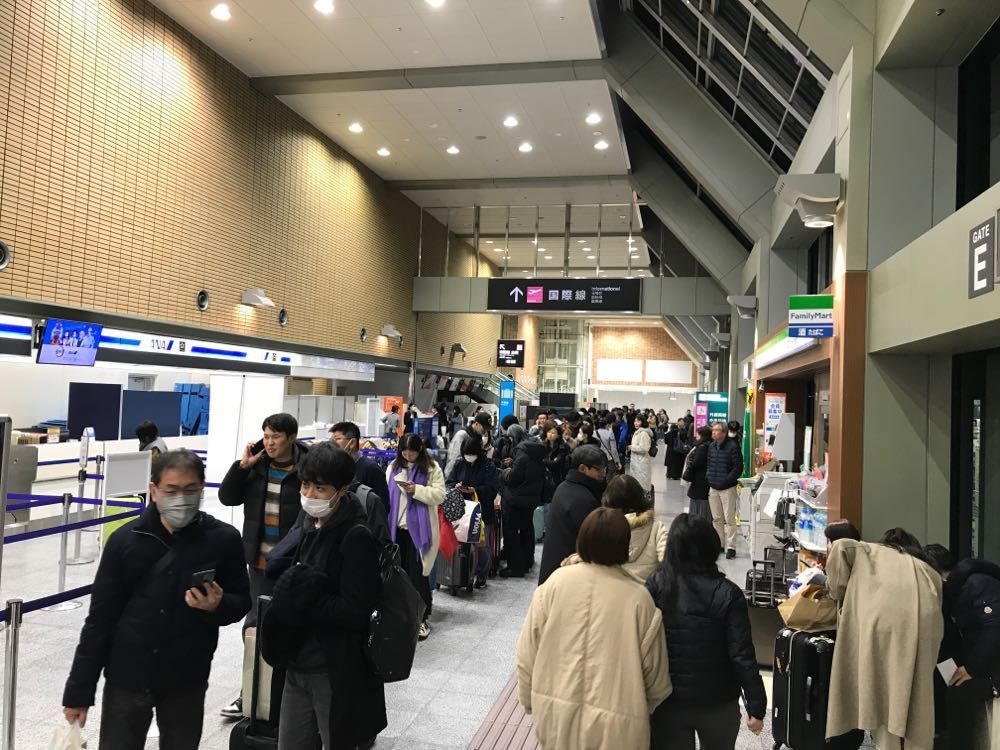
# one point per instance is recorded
(140, 632)
(524, 480)
(572, 502)
(972, 617)
(646, 548)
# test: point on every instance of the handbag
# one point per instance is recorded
(685, 482)
(806, 611)
(453, 506)
(469, 529)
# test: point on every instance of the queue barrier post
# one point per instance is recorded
(78, 558)
(98, 490)
(63, 550)
(13, 636)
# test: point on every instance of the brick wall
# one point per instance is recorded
(139, 167)
(637, 343)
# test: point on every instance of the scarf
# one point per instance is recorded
(418, 523)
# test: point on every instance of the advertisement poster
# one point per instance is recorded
(700, 415)
(387, 403)
(717, 403)
(506, 398)
(774, 407)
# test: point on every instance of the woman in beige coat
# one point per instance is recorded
(887, 641)
(592, 657)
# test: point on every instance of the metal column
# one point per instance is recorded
(475, 235)
(447, 243)
(506, 244)
(566, 238)
(537, 214)
(600, 217)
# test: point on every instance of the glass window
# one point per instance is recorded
(979, 118)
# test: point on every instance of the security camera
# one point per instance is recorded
(816, 197)
(746, 306)
(4, 256)
(723, 339)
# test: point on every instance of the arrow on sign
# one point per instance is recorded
(516, 291)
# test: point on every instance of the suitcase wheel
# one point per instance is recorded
(468, 587)
(454, 590)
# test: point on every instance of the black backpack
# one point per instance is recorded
(395, 623)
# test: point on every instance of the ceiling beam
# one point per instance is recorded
(687, 344)
(431, 78)
(517, 183)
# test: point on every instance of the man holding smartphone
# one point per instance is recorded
(167, 582)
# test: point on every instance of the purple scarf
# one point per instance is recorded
(418, 522)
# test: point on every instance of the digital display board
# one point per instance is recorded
(66, 342)
(510, 353)
(566, 295)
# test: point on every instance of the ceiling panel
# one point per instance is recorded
(286, 37)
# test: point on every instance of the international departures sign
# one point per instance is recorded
(566, 295)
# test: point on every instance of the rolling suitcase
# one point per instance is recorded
(456, 573)
(538, 519)
(765, 589)
(801, 689)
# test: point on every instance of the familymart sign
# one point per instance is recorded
(810, 316)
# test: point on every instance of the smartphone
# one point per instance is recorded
(199, 579)
(401, 482)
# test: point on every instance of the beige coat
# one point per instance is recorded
(887, 641)
(592, 660)
(646, 548)
(430, 496)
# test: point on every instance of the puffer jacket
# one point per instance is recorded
(972, 617)
(524, 480)
(482, 475)
(725, 464)
(712, 658)
(646, 548)
(591, 660)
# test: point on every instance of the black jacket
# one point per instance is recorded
(709, 644)
(482, 475)
(572, 502)
(697, 466)
(139, 630)
(725, 464)
(248, 487)
(557, 460)
(524, 480)
(367, 472)
(332, 594)
(972, 617)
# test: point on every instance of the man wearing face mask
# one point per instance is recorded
(166, 583)
(481, 425)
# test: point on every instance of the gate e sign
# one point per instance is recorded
(982, 258)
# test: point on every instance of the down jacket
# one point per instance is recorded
(972, 617)
(572, 502)
(725, 464)
(646, 548)
(712, 658)
(523, 482)
(592, 660)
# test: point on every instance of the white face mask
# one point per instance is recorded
(471, 457)
(316, 508)
(732, 434)
(179, 510)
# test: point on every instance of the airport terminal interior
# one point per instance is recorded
(712, 280)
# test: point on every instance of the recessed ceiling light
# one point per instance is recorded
(601, 145)
(585, 249)
(452, 150)
(221, 12)
(498, 249)
(324, 6)
(541, 250)
(580, 242)
(489, 242)
(383, 151)
(525, 148)
(435, 3)
(510, 121)
(591, 257)
(523, 271)
(548, 257)
(593, 118)
(356, 127)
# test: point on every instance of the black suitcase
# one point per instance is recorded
(801, 689)
(456, 573)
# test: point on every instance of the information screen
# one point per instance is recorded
(566, 295)
(510, 353)
(67, 342)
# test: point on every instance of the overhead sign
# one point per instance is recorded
(810, 316)
(982, 258)
(510, 353)
(716, 405)
(565, 295)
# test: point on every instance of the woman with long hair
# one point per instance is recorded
(709, 644)
(695, 473)
(557, 461)
(416, 488)
(640, 463)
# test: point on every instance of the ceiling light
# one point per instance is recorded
(324, 6)
(591, 257)
(631, 241)
(489, 242)
(525, 148)
(585, 249)
(580, 242)
(452, 150)
(510, 121)
(356, 127)
(256, 297)
(593, 118)
(498, 249)
(383, 151)
(435, 3)
(601, 145)
(221, 12)
(548, 257)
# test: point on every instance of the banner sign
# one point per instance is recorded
(506, 398)
(810, 316)
(566, 295)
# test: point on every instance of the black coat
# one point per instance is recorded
(725, 464)
(482, 475)
(524, 480)
(139, 630)
(972, 617)
(697, 465)
(709, 644)
(557, 460)
(572, 502)
(332, 594)
(248, 487)
(367, 472)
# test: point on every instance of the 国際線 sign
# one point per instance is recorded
(810, 316)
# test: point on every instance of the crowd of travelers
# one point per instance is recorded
(634, 637)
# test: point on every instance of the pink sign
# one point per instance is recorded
(536, 295)
(700, 415)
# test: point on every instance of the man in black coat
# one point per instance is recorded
(572, 502)
(521, 492)
(151, 629)
(265, 483)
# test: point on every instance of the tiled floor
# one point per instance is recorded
(460, 671)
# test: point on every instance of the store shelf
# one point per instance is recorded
(817, 503)
(809, 545)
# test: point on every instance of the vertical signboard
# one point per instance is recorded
(506, 398)
(810, 316)
(982, 258)
(700, 415)
(717, 406)
(774, 407)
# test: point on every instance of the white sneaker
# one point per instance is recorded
(425, 630)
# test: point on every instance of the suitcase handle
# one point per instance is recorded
(809, 690)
